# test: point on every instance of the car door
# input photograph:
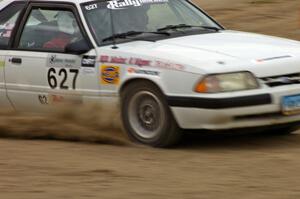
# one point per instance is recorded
(39, 71)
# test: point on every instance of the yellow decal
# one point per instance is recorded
(110, 74)
(2, 64)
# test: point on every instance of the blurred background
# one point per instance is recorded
(274, 17)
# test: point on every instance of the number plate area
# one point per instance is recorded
(291, 105)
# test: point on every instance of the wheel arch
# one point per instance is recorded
(139, 79)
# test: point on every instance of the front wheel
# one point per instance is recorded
(147, 117)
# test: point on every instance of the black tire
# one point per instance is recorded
(147, 117)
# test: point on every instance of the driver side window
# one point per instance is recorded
(50, 30)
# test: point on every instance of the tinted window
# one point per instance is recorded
(8, 18)
(50, 30)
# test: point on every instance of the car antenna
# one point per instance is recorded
(113, 30)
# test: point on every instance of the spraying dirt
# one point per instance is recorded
(257, 166)
(84, 124)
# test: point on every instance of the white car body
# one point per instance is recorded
(175, 65)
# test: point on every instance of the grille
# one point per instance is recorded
(282, 80)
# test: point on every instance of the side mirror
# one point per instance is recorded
(78, 47)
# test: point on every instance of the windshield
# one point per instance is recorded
(140, 16)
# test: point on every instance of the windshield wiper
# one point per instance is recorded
(183, 26)
(131, 34)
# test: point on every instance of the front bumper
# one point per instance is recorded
(238, 111)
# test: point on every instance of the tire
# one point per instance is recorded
(147, 117)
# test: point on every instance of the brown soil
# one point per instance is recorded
(103, 164)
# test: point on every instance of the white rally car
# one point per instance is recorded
(166, 62)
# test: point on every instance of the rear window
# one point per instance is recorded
(8, 18)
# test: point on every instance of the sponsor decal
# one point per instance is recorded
(2, 63)
(43, 99)
(91, 7)
(123, 4)
(56, 99)
(88, 61)
(50, 99)
(59, 62)
(168, 65)
(88, 71)
(143, 72)
(114, 59)
(110, 75)
(141, 62)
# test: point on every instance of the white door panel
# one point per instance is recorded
(27, 80)
(42, 79)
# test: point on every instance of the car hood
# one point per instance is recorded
(237, 44)
(224, 51)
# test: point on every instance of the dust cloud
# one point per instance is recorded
(93, 124)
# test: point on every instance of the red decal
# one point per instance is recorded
(118, 60)
(104, 58)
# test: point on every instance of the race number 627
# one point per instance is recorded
(53, 75)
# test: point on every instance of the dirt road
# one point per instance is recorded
(232, 167)
(240, 166)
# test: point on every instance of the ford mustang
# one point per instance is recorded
(165, 64)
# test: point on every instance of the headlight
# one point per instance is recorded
(227, 82)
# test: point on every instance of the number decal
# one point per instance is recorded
(63, 73)
(75, 71)
(51, 78)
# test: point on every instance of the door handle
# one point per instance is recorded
(16, 60)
